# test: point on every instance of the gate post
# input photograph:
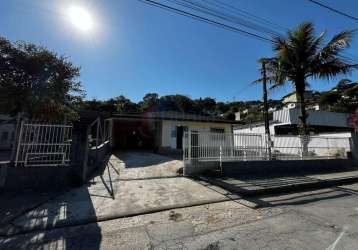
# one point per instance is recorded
(79, 150)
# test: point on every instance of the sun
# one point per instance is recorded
(80, 18)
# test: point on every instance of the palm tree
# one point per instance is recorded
(301, 56)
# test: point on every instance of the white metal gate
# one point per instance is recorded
(200, 147)
(43, 144)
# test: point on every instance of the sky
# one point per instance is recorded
(132, 49)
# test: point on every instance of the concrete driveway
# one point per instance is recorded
(144, 165)
(136, 183)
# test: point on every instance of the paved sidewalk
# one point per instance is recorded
(107, 197)
(14, 204)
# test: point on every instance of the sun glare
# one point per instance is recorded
(80, 18)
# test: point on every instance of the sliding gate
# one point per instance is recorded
(43, 144)
(206, 146)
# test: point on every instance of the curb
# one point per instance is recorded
(315, 184)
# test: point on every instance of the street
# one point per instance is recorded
(321, 219)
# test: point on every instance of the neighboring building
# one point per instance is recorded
(292, 100)
(251, 109)
(161, 131)
(272, 109)
(285, 121)
(238, 116)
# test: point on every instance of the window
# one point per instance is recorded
(216, 134)
(4, 136)
(217, 130)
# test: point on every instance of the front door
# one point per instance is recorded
(180, 132)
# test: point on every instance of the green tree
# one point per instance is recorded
(342, 98)
(37, 82)
(206, 105)
(302, 55)
(124, 105)
(150, 100)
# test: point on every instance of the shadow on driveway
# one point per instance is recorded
(55, 210)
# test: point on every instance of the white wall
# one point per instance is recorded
(323, 118)
(255, 129)
(169, 130)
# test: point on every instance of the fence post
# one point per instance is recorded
(85, 161)
(354, 145)
(189, 146)
(268, 141)
(97, 138)
(220, 159)
(19, 142)
(301, 146)
(16, 138)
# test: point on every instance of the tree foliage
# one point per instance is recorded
(37, 82)
(342, 98)
(302, 55)
(152, 102)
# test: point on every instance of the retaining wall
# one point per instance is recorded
(39, 177)
(271, 167)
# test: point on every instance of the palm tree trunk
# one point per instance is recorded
(303, 114)
(303, 129)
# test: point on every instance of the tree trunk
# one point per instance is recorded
(303, 114)
(302, 127)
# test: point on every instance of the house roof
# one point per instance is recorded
(253, 124)
(294, 92)
(174, 116)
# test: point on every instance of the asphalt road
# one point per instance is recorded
(322, 219)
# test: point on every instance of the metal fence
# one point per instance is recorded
(309, 147)
(201, 146)
(43, 144)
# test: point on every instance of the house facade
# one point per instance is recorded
(161, 131)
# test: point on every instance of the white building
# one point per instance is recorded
(285, 122)
(292, 100)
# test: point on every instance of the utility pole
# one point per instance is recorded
(266, 117)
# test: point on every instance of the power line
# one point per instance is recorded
(222, 15)
(334, 10)
(219, 13)
(206, 20)
(234, 9)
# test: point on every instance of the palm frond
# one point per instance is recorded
(331, 69)
(337, 44)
